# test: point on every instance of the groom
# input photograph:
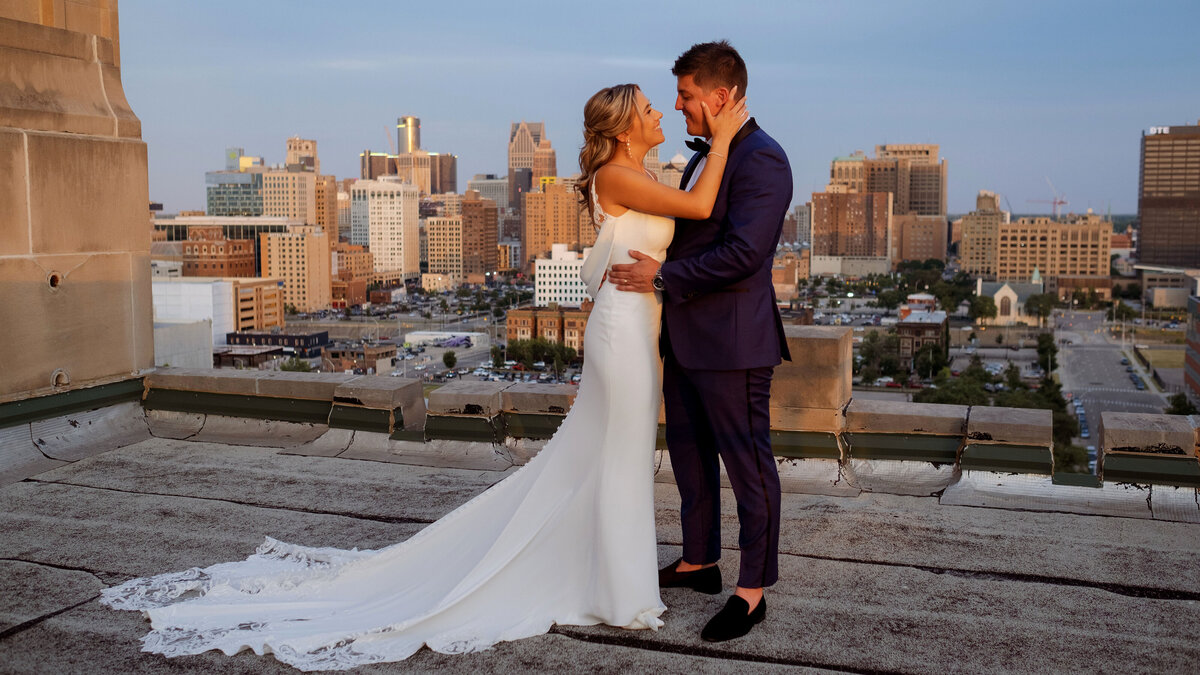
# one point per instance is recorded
(722, 337)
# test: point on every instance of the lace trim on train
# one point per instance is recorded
(284, 566)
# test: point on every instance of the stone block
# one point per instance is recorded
(14, 209)
(310, 386)
(902, 417)
(1147, 433)
(1010, 426)
(243, 382)
(818, 376)
(77, 208)
(540, 398)
(75, 319)
(382, 392)
(468, 398)
(57, 93)
(828, 420)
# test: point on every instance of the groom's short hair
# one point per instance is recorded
(712, 65)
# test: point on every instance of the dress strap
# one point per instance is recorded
(598, 214)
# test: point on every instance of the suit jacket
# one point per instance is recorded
(719, 310)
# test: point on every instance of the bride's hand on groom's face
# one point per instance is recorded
(726, 123)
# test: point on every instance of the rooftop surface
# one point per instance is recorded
(875, 583)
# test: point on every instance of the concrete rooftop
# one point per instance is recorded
(874, 583)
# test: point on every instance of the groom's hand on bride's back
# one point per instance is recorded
(636, 277)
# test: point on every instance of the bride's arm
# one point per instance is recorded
(635, 190)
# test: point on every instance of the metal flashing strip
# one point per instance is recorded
(78, 400)
(530, 425)
(1002, 458)
(908, 447)
(1177, 470)
(805, 445)
(360, 418)
(239, 405)
(1077, 480)
(460, 428)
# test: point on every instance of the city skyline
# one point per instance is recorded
(1013, 94)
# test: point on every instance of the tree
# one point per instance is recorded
(296, 365)
(982, 307)
(930, 358)
(1047, 352)
(449, 358)
(497, 356)
(1041, 305)
(1121, 312)
(1180, 405)
(999, 338)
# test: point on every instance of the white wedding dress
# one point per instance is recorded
(567, 539)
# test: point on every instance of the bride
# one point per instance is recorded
(568, 538)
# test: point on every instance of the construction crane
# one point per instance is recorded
(1057, 201)
(391, 141)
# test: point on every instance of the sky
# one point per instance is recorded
(1017, 94)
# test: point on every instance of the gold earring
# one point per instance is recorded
(628, 150)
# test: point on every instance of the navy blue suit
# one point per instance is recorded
(722, 337)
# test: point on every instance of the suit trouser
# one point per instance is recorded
(726, 414)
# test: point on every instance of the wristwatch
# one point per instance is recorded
(657, 281)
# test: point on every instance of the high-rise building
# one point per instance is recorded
(408, 134)
(549, 217)
(352, 262)
(208, 253)
(671, 173)
(372, 165)
(234, 193)
(290, 194)
(327, 206)
(343, 215)
(853, 224)
(911, 172)
(231, 304)
(545, 161)
(490, 186)
(1071, 253)
(444, 236)
(385, 217)
(556, 278)
(1169, 197)
(443, 172)
(916, 237)
(652, 164)
(797, 229)
(524, 138)
(302, 154)
(301, 258)
(479, 235)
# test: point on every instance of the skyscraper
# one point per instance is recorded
(523, 141)
(385, 217)
(490, 186)
(1169, 197)
(301, 258)
(444, 235)
(408, 134)
(302, 153)
(291, 194)
(851, 225)
(549, 216)
(479, 234)
(911, 172)
(545, 161)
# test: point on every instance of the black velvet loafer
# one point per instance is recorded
(733, 621)
(705, 580)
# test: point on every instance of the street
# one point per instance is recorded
(1091, 369)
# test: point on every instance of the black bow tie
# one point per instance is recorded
(698, 145)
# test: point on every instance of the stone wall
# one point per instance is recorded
(74, 232)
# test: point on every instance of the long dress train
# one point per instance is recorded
(568, 538)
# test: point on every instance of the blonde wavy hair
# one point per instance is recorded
(607, 113)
